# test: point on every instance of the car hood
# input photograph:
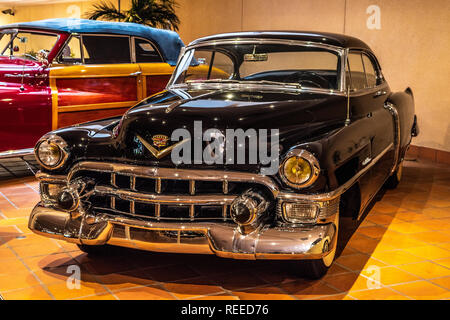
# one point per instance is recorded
(13, 68)
(298, 117)
(226, 109)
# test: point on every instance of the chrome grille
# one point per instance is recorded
(164, 194)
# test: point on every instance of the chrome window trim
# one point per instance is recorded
(373, 60)
(58, 55)
(376, 66)
(365, 91)
(339, 50)
(14, 33)
(153, 45)
(99, 34)
(133, 50)
(58, 35)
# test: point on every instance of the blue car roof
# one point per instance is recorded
(168, 42)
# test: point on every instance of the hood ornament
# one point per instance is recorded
(159, 140)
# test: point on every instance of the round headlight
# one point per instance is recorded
(299, 169)
(50, 152)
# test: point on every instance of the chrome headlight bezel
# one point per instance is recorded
(57, 142)
(308, 157)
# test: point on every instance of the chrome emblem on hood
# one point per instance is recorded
(160, 140)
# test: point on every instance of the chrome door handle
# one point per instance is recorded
(380, 93)
(135, 73)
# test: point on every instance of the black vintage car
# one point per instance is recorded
(315, 133)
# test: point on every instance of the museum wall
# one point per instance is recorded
(410, 38)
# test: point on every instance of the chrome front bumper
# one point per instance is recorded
(222, 239)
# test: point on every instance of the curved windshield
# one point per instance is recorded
(28, 45)
(275, 64)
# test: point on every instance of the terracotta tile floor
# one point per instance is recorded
(401, 250)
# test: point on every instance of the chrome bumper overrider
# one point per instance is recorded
(222, 239)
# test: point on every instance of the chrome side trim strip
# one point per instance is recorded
(389, 106)
(16, 153)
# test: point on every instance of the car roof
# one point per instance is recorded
(333, 39)
(168, 42)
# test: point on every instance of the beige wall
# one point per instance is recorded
(412, 44)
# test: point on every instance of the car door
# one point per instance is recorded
(94, 78)
(25, 103)
(155, 73)
(368, 94)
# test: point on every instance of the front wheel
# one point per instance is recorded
(315, 269)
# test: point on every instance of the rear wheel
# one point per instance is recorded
(393, 181)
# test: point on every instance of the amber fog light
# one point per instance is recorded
(50, 191)
(300, 212)
(243, 211)
(67, 201)
(246, 208)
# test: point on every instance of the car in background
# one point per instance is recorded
(341, 135)
(59, 72)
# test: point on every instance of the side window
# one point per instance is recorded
(4, 40)
(371, 74)
(101, 49)
(71, 53)
(355, 74)
(145, 51)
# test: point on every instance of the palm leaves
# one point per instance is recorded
(154, 13)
